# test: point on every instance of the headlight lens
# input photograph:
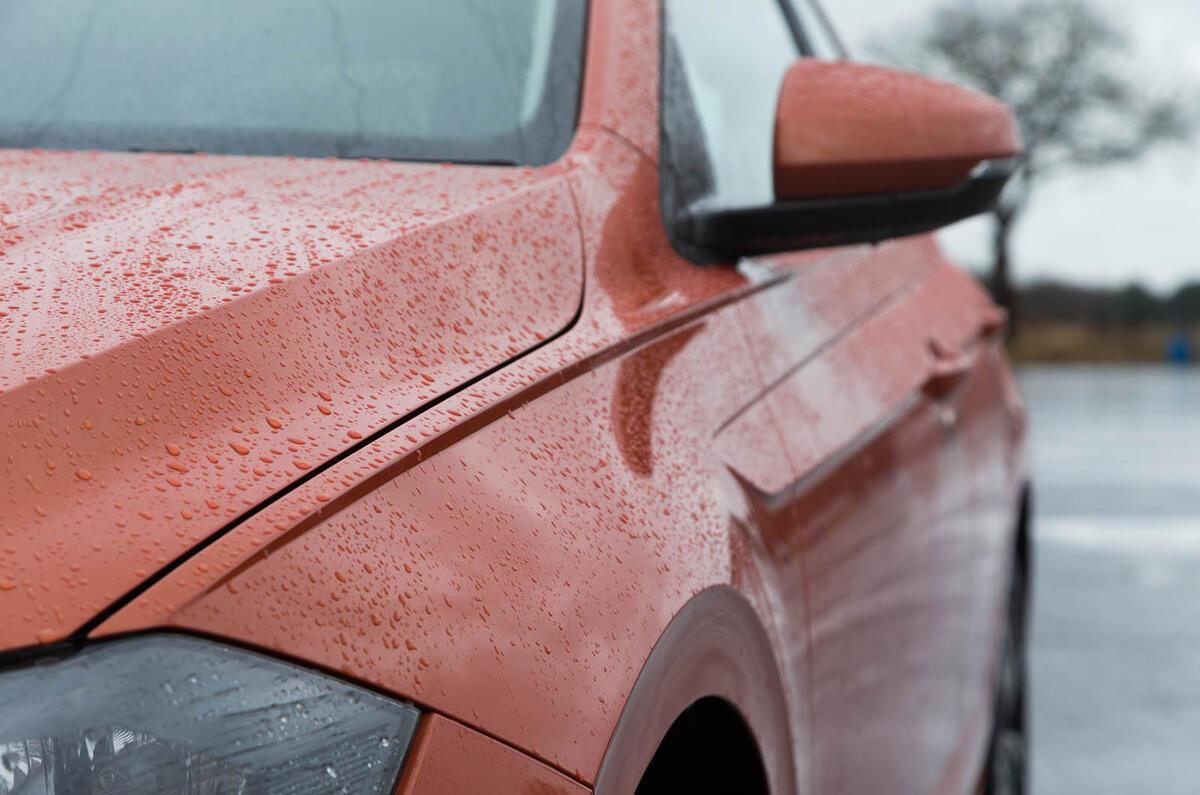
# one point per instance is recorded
(177, 715)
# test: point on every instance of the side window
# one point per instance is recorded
(723, 62)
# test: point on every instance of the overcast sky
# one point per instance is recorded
(1137, 221)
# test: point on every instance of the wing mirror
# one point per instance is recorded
(866, 153)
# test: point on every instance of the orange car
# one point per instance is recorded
(610, 448)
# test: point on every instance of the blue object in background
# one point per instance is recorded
(1180, 349)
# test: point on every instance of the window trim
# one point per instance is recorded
(803, 40)
(803, 43)
(666, 204)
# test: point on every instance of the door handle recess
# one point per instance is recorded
(946, 374)
(994, 322)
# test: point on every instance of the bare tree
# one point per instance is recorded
(1067, 73)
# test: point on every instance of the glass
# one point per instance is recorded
(731, 56)
(180, 716)
(470, 80)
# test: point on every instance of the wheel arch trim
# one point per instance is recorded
(715, 646)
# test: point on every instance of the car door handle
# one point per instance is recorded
(994, 322)
(946, 374)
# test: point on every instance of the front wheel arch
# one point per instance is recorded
(714, 648)
(709, 750)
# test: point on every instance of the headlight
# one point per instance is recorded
(172, 714)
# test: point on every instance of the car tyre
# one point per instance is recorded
(1007, 771)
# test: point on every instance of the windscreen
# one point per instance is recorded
(461, 80)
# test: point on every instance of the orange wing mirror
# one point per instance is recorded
(866, 153)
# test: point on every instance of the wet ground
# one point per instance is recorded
(1115, 660)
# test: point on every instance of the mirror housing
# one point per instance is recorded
(866, 153)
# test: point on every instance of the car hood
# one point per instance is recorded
(182, 337)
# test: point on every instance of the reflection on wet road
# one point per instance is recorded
(1116, 632)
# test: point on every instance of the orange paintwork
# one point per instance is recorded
(844, 128)
(476, 436)
(446, 758)
(208, 329)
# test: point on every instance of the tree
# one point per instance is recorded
(1184, 307)
(1066, 72)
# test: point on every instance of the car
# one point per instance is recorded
(544, 397)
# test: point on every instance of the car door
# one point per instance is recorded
(888, 530)
(883, 382)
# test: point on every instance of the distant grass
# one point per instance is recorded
(1080, 342)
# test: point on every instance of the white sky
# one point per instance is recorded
(1138, 221)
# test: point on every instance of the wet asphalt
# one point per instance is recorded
(1115, 656)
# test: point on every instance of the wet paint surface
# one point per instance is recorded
(887, 546)
(501, 556)
(899, 535)
(196, 333)
(509, 555)
(897, 131)
(448, 758)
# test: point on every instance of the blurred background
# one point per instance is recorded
(1094, 252)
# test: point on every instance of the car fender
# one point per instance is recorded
(717, 646)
